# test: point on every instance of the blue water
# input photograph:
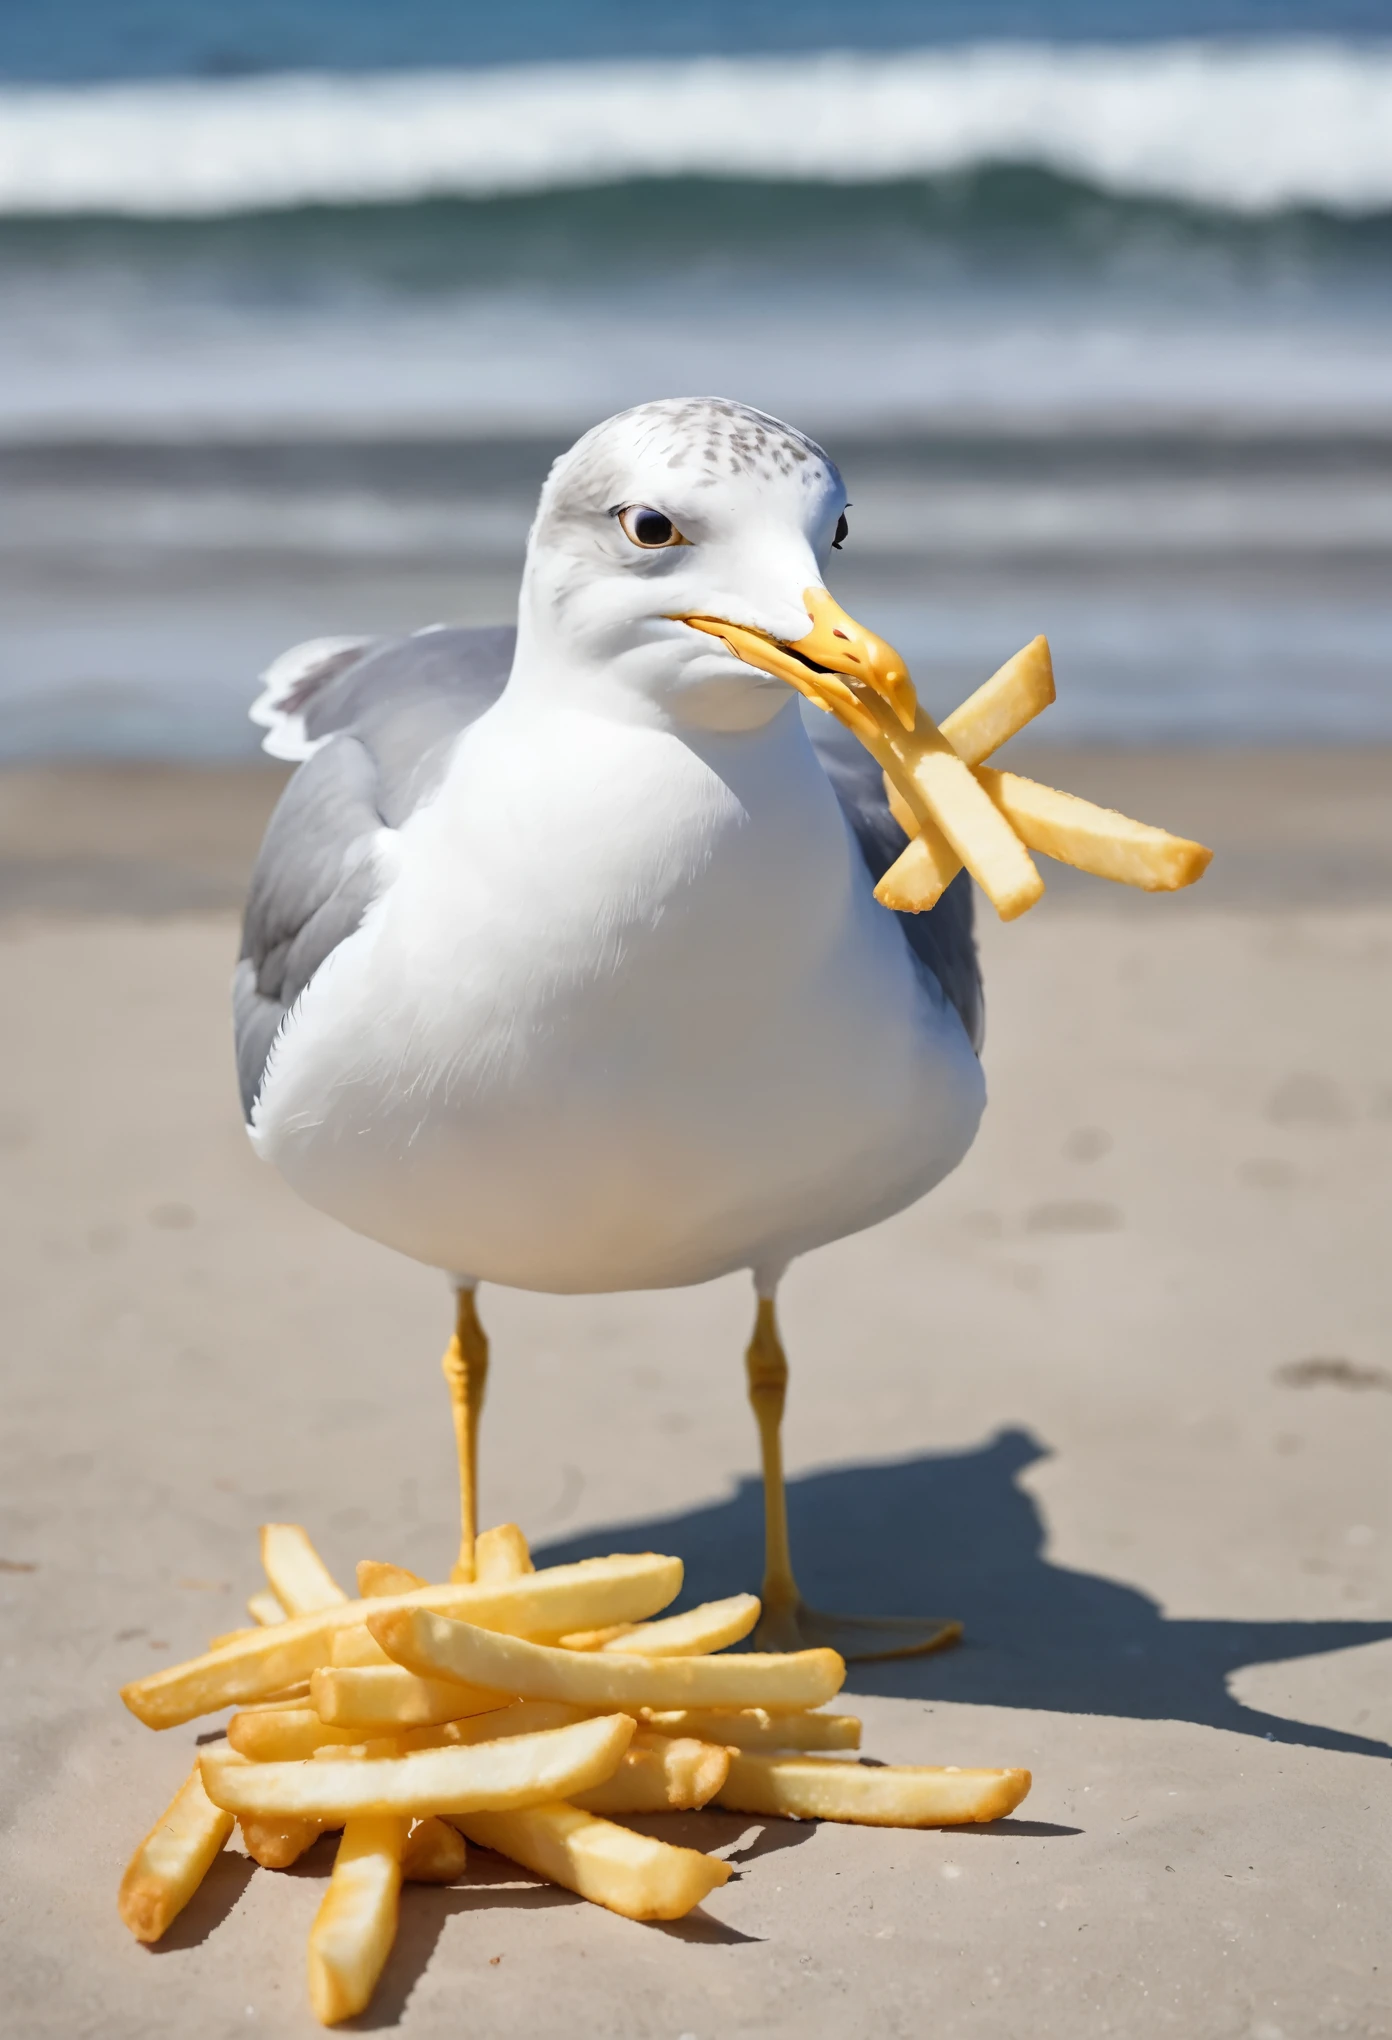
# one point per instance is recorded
(1030, 269)
(102, 39)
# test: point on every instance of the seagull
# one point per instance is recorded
(561, 965)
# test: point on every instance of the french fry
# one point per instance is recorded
(625, 1588)
(228, 1636)
(356, 1645)
(501, 1554)
(276, 1844)
(998, 711)
(387, 1696)
(904, 816)
(612, 1866)
(659, 1774)
(519, 1717)
(299, 1734)
(523, 1770)
(436, 1647)
(173, 1860)
(299, 1578)
(435, 1853)
(923, 870)
(285, 1696)
(713, 1626)
(1055, 824)
(1058, 825)
(1095, 839)
(355, 1926)
(283, 1735)
(1000, 708)
(375, 1577)
(922, 825)
(264, 1609)
(880, 1795)
(754, 1728)
(931, 776)
(949, 820)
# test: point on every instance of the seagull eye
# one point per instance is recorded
(843, 532)
(649, 528)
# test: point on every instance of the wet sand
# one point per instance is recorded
(1119, 1395)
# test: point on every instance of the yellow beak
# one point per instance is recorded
(834, 644)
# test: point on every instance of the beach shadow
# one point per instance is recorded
(715, 1832)
(493, 1884)
(1019, 1830)
(740, 1838)
(228, 1877)
(699, 1930)
(956, 1534)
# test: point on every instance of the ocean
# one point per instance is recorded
(1093, 306)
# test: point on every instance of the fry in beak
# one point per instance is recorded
(956, 821)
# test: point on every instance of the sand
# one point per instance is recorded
(1119, 1395)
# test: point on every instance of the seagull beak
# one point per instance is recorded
(835, 644)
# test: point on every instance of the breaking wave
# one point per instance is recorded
(1246, 129)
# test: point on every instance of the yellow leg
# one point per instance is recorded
(766, 1365)
(465, 1368)
(787, 1623)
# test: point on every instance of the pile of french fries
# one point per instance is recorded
(527, 1712)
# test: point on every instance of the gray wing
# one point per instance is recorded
(375, 723)
(942, 941)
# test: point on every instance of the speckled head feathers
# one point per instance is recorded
(707, 439)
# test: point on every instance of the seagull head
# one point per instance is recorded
(676, 567)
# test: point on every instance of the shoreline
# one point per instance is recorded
(1194, 590)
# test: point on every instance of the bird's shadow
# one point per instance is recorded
(956, 1534)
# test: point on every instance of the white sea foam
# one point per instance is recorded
(1250, 128)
